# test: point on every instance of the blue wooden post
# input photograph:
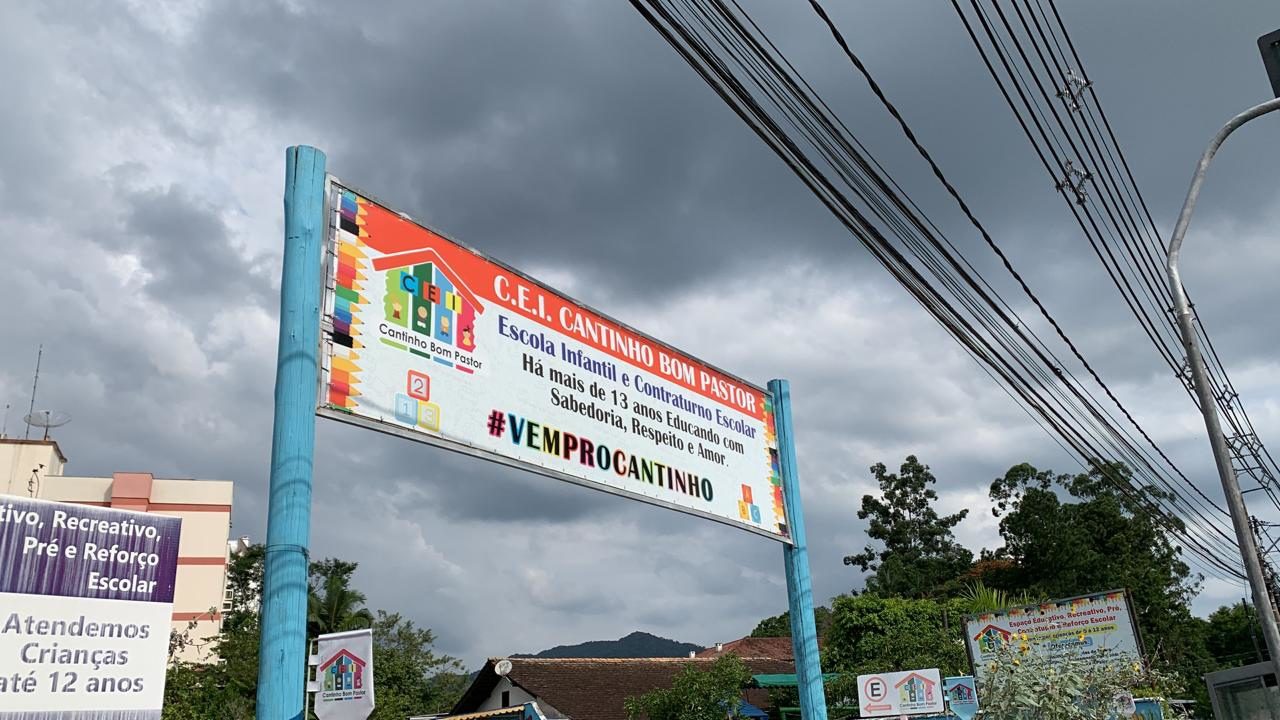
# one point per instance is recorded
(804, 634)
(283, 649)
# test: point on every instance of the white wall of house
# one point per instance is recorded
(516, 697)
(23, 460)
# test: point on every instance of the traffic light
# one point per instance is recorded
(1269, 45)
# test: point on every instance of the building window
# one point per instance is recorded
(506, 698)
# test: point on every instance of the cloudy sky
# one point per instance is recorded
(141, 164)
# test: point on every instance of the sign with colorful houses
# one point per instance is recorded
(1099, 625)
(343, 671)
(914, 692)
(962, 696)
(430, 340)
(343, 684)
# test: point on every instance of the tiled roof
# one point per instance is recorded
(773, 648)
(596, 688)
(513, 712)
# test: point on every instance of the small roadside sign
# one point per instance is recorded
(913, 692)
(962, 696)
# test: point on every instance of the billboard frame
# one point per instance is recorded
(299, 372)
(1128, 606)
(461, 447)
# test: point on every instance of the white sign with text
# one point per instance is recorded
(430, 340)
(913, 692)
(86, 602)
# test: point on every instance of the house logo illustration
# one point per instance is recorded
(343, 675)
(430, 312)
(960, 693)
(962, 696)
(990, 638)
(382, 261)
(914, 689)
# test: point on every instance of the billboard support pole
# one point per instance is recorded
(283, 648)
(804, 634)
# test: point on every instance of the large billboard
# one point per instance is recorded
(1089, 626)
(428, 339)
(86, 600)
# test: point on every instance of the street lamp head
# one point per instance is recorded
(1269, 46)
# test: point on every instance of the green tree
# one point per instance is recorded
(870, 634)
(919, 557)
(241, 624)
(199, 692)
(1098, 538)
(982, 599)
(409, 677)
(225, 690)
(695, 694)
(332, 604)
(780, 625)
(1234, 637)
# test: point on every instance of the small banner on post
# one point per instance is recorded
(344, 676)
(962, 696)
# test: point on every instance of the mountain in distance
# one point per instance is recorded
(636, 645)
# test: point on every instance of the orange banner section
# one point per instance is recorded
(404, 243)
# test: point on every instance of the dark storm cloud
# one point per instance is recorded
(187, 248)
(930, 70)
(552, 134)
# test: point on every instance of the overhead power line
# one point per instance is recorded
(1028, 52)
(991, 243)
(737, 60)
(880, 95)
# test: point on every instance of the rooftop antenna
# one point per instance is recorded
(48, 419)
(34, 384)
(5, 429)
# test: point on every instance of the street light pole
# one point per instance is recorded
(1199, 376)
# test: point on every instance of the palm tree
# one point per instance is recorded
(332, 604)
(981, 598)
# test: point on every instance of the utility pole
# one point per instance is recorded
(1204, 393)
(1257, 651)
